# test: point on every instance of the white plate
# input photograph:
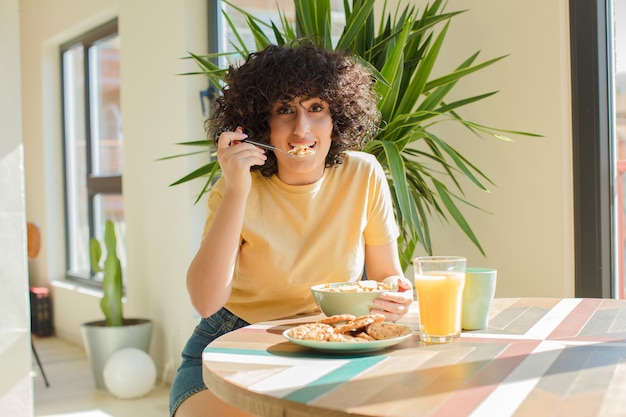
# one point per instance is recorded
(348, 346)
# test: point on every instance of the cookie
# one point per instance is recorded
(346, 338)
(363, 335)
(380, 331)
(355, 325)
(311, 331)
(337, 318)
(376, 317)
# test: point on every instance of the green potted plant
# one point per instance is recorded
(102, 338)
(426, 174)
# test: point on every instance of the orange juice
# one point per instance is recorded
(440, 295)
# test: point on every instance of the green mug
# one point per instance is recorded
(480, 287)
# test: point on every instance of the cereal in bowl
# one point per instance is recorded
(358, 286)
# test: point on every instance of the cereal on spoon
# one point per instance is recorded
(300, 150)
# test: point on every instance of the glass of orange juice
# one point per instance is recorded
(439, 282)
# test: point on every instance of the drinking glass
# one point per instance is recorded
(439, 282)
(480, 287)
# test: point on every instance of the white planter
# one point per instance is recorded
(102, 341)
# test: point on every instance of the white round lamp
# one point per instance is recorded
(129, 373)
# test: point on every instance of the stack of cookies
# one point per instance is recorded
(348, 328)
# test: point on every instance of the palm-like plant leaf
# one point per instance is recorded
(357, 26)
(401, 52)
(209, 170)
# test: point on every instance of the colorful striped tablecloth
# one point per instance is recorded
(539, 357)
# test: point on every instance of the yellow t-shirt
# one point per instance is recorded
(294, 237)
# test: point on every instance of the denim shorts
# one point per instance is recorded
(188, 380)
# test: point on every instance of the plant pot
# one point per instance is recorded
(102, 341)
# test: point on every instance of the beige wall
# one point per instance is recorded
(160, 108)
(527, 230)
(527, 236)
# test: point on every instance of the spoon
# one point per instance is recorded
(273, 148)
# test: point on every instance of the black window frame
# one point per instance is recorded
(96, 185)
(590, 48)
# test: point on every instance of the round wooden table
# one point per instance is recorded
(539, 357)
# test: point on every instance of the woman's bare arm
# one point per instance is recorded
(209, 277)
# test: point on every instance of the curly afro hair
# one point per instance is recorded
(281, 73)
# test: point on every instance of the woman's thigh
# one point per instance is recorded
(188, 380)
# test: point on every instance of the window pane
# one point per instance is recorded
(106, 115)
(619, 43)
(268, 11)
(75, 160)
(93, 143)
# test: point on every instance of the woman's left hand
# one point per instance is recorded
(394, 305)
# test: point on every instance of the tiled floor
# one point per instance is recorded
(72, 391)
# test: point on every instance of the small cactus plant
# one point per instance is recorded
(112, 284)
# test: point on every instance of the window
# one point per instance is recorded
(596, 33)
(268, 11)
(619, 88)
(92, 144)
(222, 39)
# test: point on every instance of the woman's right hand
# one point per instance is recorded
(210, 274)
(236, 158)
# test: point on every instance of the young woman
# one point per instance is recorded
(279, 223)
